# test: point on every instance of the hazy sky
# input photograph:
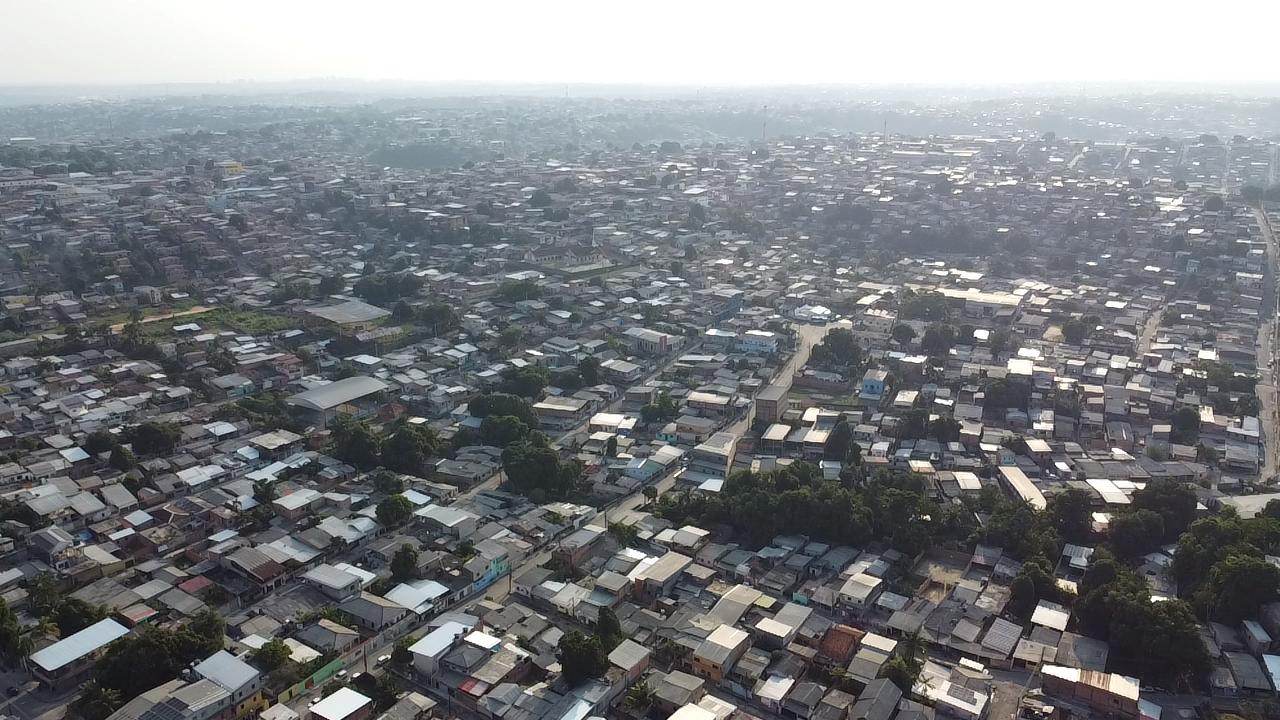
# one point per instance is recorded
(695, 42)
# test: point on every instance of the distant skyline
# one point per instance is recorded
(659, 42)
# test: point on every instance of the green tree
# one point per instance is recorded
(1185, 426)
(531, 466)
(589, 369)
(639, 698)
(1033, 583)
(945, 429)
(1238, 586)
(528, 381)
(264, 491)
(837, 447)
(838, 352)
(73, 615)
(938, 339)
(404, 564)
(582, 657)
(151, 438)
(482, 406)
(272, 655)
(409, 447)
(502, 430)
(902, 672)
(540, 199)
(96, 702)
(1072, 514)
(394, 511)
(439, 317)
(1175, 503)
(387, 482)
(662, 410)
(517, 290)
(355, 443)
(913, 425)
(1077, 330)
(400, 654)
(902, 334)
(331, 285)
(402, 311)
(511, 336)
(99, 441)
(122, 459)
(609, 629)
(1136, 533)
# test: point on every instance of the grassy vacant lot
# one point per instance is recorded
(249, 322)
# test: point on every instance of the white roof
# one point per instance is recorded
(1050, 615)
(692, 712)
(340, 705)
(78, 645)
(440, 639)
(418, 596)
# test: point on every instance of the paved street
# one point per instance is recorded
(1267, 360)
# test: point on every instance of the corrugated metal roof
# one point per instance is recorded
(70, 649)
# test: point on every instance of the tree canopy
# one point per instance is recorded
(355, 443)
(582, 657)
(534, 468)
(394, 511)
(409, 447)
(387, 288)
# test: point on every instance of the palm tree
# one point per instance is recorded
(23, 648)
(639, 697)
(46, 628)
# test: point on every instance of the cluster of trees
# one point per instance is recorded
(100, 441)
(387, 288)
(153, 438)
(394, 511)
(938, 339)
(1225, 389)
(516, 290)
(439, 318)
(1157, 641)
(404, 564)
(147, 658)
(1009, 392)
(1077, 330)
(1254, 195)
(1151, 640)
(584, 657)
(957, 238)
(535, 469)
(406, 449)
(838, 352)
(663, 409)
(505, 419)
(69, 614)
(528, 381)
(14, 643)
(1221, 565)
(1185, 426)
(928, 306)
(265, 411)
(797, 499)
(483, 406)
